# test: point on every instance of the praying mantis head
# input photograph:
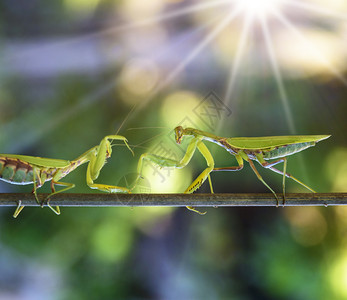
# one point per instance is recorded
(179, 132)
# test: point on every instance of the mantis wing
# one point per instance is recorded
(273, 141)
(39, 161)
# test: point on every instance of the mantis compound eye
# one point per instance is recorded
(108, 152)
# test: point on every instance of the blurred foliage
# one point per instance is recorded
(73, 76)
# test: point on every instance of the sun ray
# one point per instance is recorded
(132, 25)
(277, 75)
(148, 21)
(172, 14)
(317, 9)
(296, 32)
(260, 8)
(173, 74)
(138, 106)
(202, 45)
(237, 61)
(281, 88)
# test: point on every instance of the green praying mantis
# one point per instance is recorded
(21, 169)
(248, 149)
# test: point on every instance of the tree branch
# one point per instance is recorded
(196, 200)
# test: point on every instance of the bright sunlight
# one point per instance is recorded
(260, 8)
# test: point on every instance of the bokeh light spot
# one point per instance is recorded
(336, 166)
(111, 240)
(178, 107)
(138, 79)
(308, 226)
(338, 276)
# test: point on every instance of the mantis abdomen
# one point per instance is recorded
(286, 150)
(15, 171)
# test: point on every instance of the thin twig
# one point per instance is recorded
(196, 200)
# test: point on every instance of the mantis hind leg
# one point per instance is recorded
(37, 182)
(283, 173)
(68, 185)
(262, 180)
(270, 165)
(18, 209)
(290, 176)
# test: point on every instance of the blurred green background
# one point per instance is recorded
(74, 71)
